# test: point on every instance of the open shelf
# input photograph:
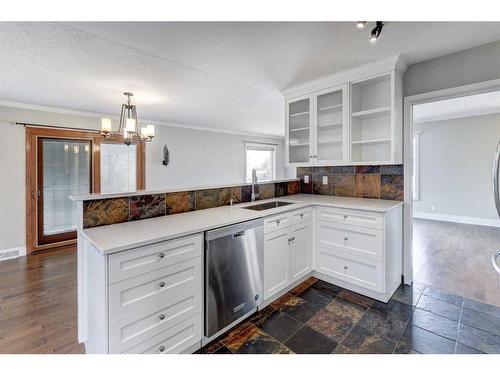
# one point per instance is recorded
(299, 129)
(299, 114)
(330, 125)
(372, 113)
(371, 141)
(331, 108)
(299, 144)
(329, 141)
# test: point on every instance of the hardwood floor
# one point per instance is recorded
(457, 258)
(38, 308)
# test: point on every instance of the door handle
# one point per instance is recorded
(239, 234)
(496, 266)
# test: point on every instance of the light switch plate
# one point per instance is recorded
(325, 180)
(306, 179)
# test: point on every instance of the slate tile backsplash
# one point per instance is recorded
(119, 210)
(362, 181)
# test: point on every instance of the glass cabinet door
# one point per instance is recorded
(299, 129)
(330, 127)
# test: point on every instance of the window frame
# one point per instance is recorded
(260, 146)
(416, 165)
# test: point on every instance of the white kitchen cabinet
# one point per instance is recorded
(351, 118)
(300, 251)
(287, 251)
(276, 261)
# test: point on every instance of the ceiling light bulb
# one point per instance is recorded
(373, 37)
(106, 125)
(360, 24)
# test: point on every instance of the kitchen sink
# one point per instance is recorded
(267, 205)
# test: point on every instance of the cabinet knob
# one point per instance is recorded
(161, 348)
(161, 284)
(301, 216)
(277, 222)
(346, 239)
(346, 267)
(162, 316)
(345, 217)
(161, 255)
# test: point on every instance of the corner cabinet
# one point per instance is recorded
(352, 118)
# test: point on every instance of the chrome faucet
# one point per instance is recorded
(254, 182)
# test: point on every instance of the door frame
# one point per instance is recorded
(409, 102)
(32, 134)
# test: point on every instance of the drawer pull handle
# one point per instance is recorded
(345, 217)
(162, 316)
(161, 255)
(161, 348)
(161, 284)
(277, 222)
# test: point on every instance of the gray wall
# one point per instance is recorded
(456, 166)
(473, 65)
(198, 158)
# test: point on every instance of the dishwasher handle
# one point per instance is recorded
(236, 230)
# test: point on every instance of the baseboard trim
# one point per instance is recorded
(457, 219)
(16, 251)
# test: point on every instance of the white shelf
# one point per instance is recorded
(299, 114)
(372, 112)
(299, 144)
(331, 107)
(331, 125)
(299, 129)
(330, 141)
(371, 141)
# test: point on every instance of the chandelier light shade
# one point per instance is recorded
(128, 126)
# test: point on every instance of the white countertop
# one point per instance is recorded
(118, 237)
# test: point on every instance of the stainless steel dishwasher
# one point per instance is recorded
(233, 273)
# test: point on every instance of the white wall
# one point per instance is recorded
(456, 159)
(198, 158)
(472, 65)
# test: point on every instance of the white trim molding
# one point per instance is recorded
(458, 219)
(16, 253)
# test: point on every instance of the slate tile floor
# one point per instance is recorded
(318, 317)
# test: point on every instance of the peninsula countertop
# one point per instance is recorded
(118, 237)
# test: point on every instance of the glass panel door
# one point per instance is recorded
(330, 126)
(118, 168)
(64, 169)
(299, 120)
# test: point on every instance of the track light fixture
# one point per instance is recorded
(376, 31)
(360, 24)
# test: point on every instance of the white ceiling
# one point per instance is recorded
(225, 76)
(466, 106)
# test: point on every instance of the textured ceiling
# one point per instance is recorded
(224, 76)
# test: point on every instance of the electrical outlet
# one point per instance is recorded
(325, 180)
(306, 179)
(433, 208)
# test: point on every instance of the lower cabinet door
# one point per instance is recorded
(276, 261)
(300, 251)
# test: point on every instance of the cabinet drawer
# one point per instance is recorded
(364, 273)
(130, 330)
(174, 340)
(350, 239)
(276, 222)
(130, 263)
(155, 287)
(300, 216)
(361, 218)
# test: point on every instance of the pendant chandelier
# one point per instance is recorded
(129, 126)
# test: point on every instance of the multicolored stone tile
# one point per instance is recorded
(361, 340)
(346, 310)
(239, 335)
(398, 309)
(425, 342)
(300, 288)
(259, 343)
(147, 206)
(327, 287)
(280, 189)
(318, 186)
(305, 188)
(343, 184)
(308, 341)
(343, 169)
(246, 193)
(322, 170)
(208, 198)
(383, 324)
(281, 301)
(226, 194)
(105, 212)
(356, 298)
(435, 324)
(278, 325)
(331, 325)
(392, 169)
(367, 185)
(448, 310)
(392, 187)
(367, 169)
(180, 202)
(293, 187)
(265, 191)
(316, 296)
(299, 309)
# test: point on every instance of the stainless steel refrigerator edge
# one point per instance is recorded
(233, 274)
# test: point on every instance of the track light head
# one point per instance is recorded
(360, 25)
(376, 31)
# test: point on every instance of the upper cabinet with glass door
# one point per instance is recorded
(330, 127)
(299, 132)
(356, 117)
